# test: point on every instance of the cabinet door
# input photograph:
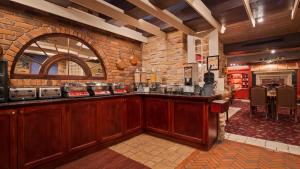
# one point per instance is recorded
(188, 120)
(133, 114)
(41, 134)
(8, 139)
(157, 114)
(112, 118)
(82, 128)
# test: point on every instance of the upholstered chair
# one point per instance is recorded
(286, 97)
(258, 98)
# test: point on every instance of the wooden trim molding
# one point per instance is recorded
(200, 7)
(295, 9)
(60, 57)
(249, 11)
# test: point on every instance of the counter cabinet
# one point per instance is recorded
(50, 134)
(8, 139)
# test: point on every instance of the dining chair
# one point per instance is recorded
(286, 97)
(258, 98)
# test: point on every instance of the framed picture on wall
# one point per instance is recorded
(213, 61)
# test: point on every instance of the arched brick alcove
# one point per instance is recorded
(20, 27)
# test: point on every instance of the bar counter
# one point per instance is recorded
(57, 100)
(60, 130)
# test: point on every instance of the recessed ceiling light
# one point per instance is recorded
(273, 51)
(260, 20)
(223, 29)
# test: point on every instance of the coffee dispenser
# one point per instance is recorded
(3, 79)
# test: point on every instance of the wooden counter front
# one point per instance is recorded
(47, 134)
(181, 119)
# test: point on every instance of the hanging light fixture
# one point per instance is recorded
(272, 59)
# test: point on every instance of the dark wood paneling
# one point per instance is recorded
(82, 129)
(133, 114)
(112, 113)
(264, 44)
(188, 120)
(41, 134)
(157, 114)
(8, 147)
(273, 25)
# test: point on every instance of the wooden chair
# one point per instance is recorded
(286, 97)
(258, 98)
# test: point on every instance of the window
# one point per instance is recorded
(58, 56)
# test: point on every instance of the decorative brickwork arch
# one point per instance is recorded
(16, 49)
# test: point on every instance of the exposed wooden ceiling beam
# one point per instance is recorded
(118, 14)
(63, 3)
(163, 15)
(82, 17)
(200, 7)
(295, 9)
(264, 52)
(276, 42)
(249, 12)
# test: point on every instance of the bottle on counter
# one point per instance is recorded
(153, 76)
(143, 76)
(137, 76)
(158, 79)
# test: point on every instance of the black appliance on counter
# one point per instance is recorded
(74, 89)
(17, 94)
(98, 88)
(118, 88)
(49, 92)
(3, 80)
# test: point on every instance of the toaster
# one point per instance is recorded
(16, 94)
(49, 92)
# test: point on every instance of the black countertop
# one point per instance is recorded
(12, 104)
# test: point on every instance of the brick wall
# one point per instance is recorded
(168, 55)
(17, 27)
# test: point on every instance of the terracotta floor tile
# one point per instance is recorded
(161, 153)
(231, 155)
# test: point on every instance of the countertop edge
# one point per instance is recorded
(61, 100)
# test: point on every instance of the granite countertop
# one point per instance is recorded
(57, 100)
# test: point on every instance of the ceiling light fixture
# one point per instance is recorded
(272, 59)
(260, 20)
(223, 29)
(273, 51)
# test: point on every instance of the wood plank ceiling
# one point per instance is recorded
(231, 13)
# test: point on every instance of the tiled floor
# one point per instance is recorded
(232, 111)
(104, 159)
(234, 155)
(272, 145)
(145, 151)
(154, 152)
